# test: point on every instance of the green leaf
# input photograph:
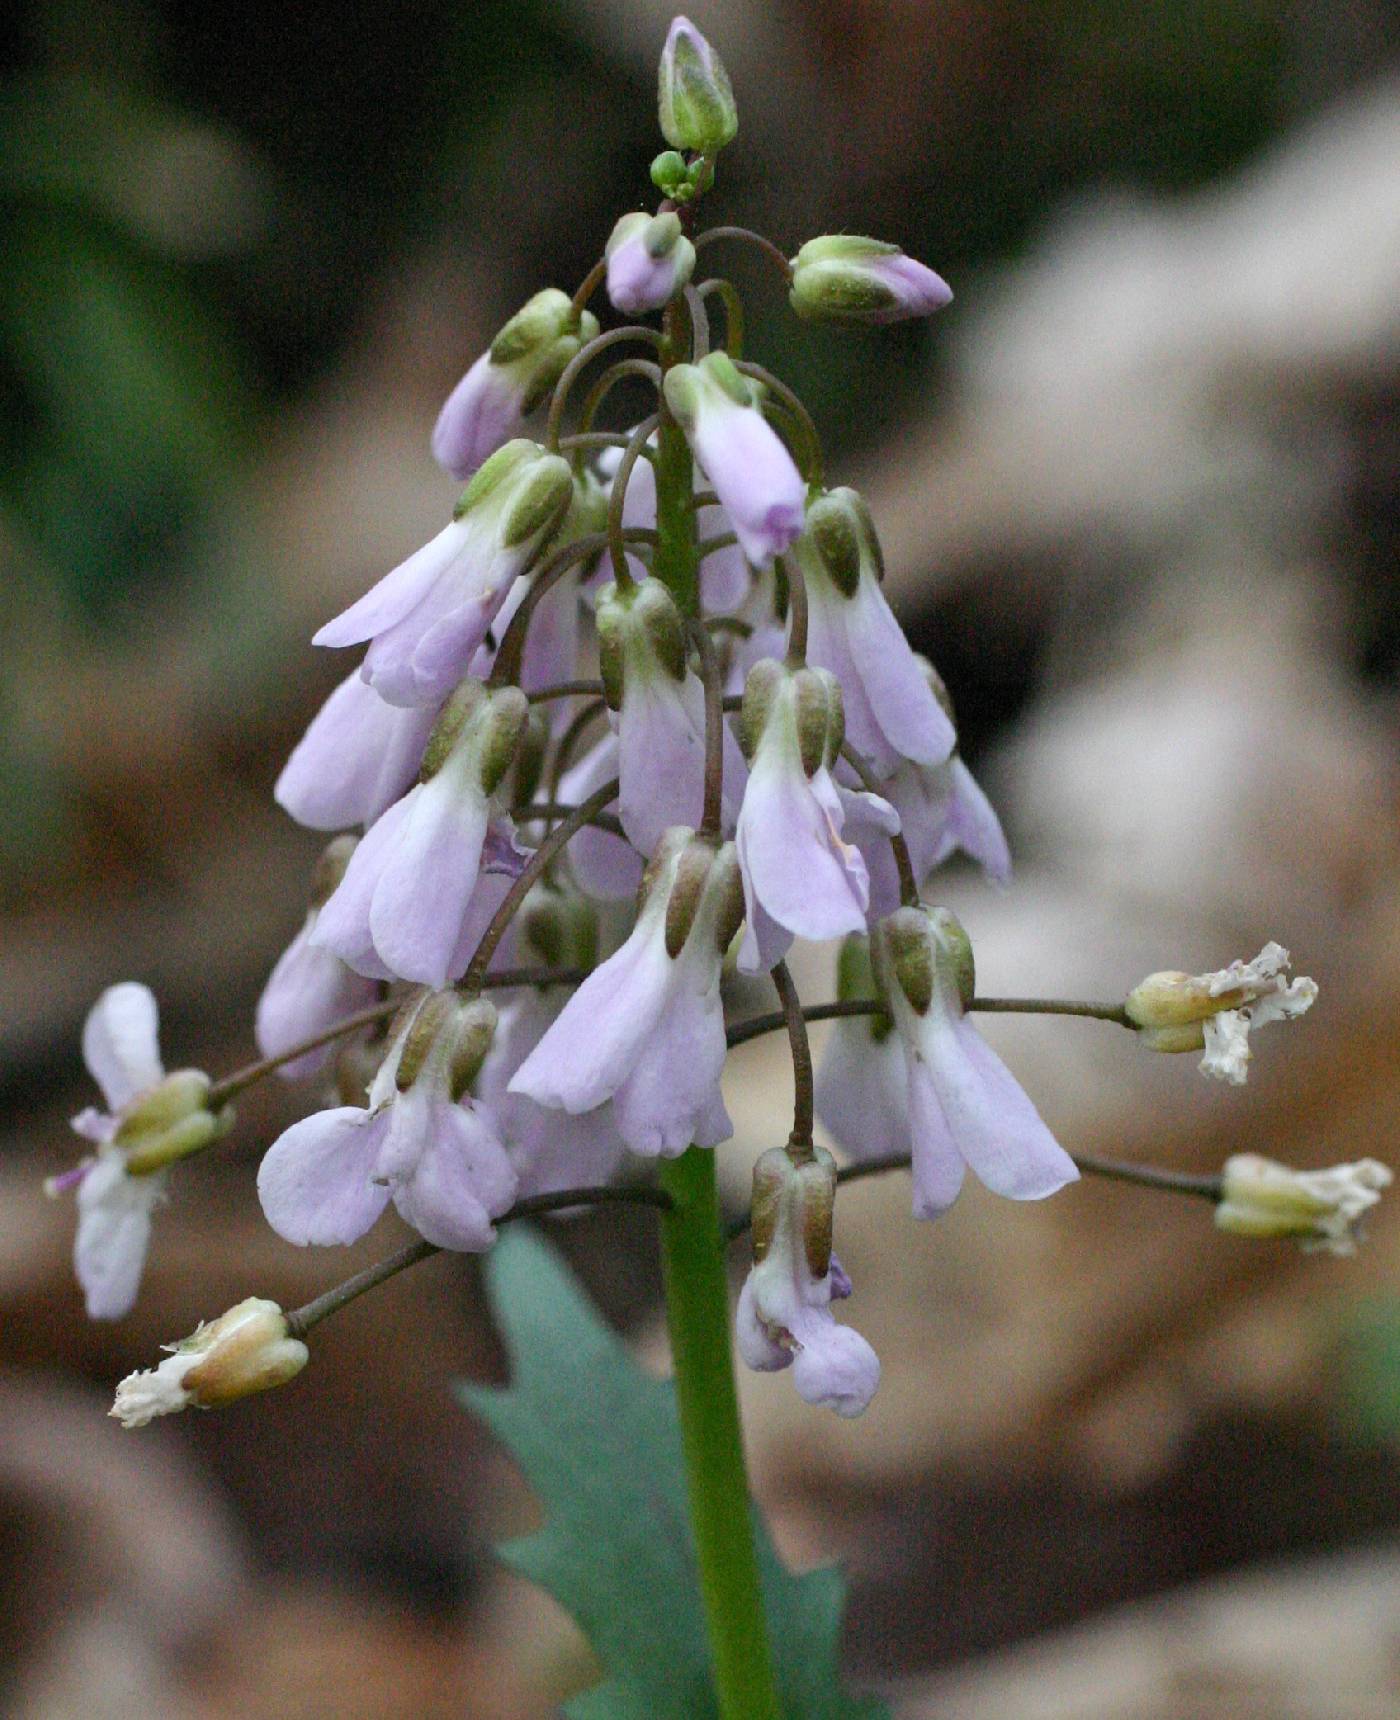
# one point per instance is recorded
(599, 1441)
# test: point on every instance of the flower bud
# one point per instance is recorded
(248, 1349)
(842, 277)
(169, 1123)
(525, 361)
(558, 926)
(649, 261)
(640, 635)
(1323, 1209)
(694, 97)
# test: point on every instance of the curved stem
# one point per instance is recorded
(904, 865)
(761, 1024)
(583, 357)
(551, 809)
(569, 740)
(676, 564)
(505, 669)
(565, 690)
(535, 869)
(800, 1140)
(699, 325)
(301, 1320)
(697, 1318)
(712, 235)
(728, 294)
(589, 285)
(603, 387)
(616, 536)
(797, 611)
(803, 418)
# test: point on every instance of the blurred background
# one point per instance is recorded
(1140, 495)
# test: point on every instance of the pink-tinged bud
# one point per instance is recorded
(649, 261)
(487, 407)
(752, 472)
(694, 96)
(844, 278)
(247, 1350)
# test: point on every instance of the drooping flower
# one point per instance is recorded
(427, 618)
(725, 579)
(355, 760)
(660, 706)
(403, 908)
(248, 1349)
(892, 715)
(1322, 1209)
(604, 864)
(784, 1318)
(800, 878)
(694, 96)
(506, 384)
(310, 988)
(842, 277)
(421, 1142)
(549, 1148)
(752, 472)
(153, 1120)
(1215, 1012)
(961, 1106)
(649, 261)
(646, 1029)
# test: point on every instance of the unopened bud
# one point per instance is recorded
(170, 1122)
(1322, 1209)
(649, 261)
(842, 277)
(694, 97)
(544, 497)
(559, 926)
(248, 1349)
(839, 541)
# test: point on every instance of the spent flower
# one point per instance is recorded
(1216, 1012)
(248, 1349)
(1322, 1209)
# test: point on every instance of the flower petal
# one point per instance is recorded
(315, 1180)
(120, 1044)
(309, 989)
(463, 1179)
(427, 879)
(399, 593)
(114, 1232)
(355, 760)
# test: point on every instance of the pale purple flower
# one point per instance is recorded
(646, 1029)
(405, 907)
(355, 760)
(800, 878)
(842, 277)
(892, 714)
(152, 1120)
(549, 1148)
(526, 359)
(752, 472)
(604, 866)
(649, 261)
(420, 1142)
(427, 619)
(784, 1317)
(958, 1104)
(310, 988)
(725, 578)
(660, 716)
(940, 809)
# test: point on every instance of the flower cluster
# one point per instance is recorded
(651, 663)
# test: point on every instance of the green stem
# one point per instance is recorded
(677, 563)
(697, 1315)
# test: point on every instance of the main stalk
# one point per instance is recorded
(693, 1249)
